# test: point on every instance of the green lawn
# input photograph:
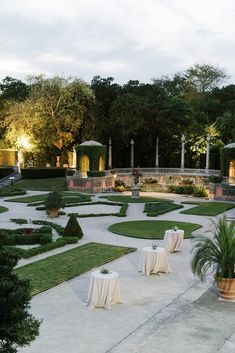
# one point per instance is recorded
(69, 197)
(151, 229)
(155, 209)
(59, 268)
(47, 184)
(129, 199)
(208, 208)
(3, 209)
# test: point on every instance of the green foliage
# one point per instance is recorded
(54, 200)
(19, 220)
(227, 155)
(119, 188)
(17, 327)
(215, 179)
(200, 192)
(142, 199)
(95, 173)
(43, 173)
(3, 209)
(57, 227)
(216, 253)
(73, 228)
(45, 239)
(56, 269)
(155, 209)
(181, 189)
(93, 153)
(12, 190)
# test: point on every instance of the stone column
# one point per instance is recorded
(208, 152)
(182, 151)
(157, 153)
(110, 154)
(132, 153)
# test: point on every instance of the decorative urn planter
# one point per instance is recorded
(226, 287)
(53, 212)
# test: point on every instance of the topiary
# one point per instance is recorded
(54, 200)
(73, 228)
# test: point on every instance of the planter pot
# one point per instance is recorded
(226, 287)
(53, 212)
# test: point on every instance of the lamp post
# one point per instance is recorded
(132, 153)
(182, 151)
(157, 153)
(110, 154)
(208, 152)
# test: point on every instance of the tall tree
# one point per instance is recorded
(53, 114)
(13, 89)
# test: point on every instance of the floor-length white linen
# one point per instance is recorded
(104, 290)
(153, 261)
(173, 239)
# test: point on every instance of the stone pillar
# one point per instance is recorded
(208, 152)
(110, 154)
(157, 153)
(182, 151)
(132, 153)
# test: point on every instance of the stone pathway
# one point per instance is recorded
(160, 314)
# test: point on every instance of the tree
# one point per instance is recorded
(17, 326)
(53, 114)
(226, 126)
(204, 78)
(13, 89)
(73, 228)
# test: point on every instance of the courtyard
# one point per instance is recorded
(172, 312)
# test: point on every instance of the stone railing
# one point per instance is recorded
(167, 171)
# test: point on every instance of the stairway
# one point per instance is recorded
(8, 180)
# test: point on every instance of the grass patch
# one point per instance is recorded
(47, 184)
(3, 209)
(129, 199)
(208, 208)
(49, 272)
(11, 191)
(67, 197)
(156, 209)
(151, 229)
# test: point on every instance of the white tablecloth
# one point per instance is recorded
(104, 290)
(173, 239)
(153, 261)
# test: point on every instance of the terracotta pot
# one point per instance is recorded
(226, 287)
(53, 212)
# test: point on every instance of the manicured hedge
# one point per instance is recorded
(59, 229)
(5, 171)
(11, 191)
(39, 173)
(95, 173)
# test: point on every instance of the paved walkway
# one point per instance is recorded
(160, 314)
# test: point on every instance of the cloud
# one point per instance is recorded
(128, 39)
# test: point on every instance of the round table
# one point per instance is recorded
(153, 261)
(104, 290)
(173, 239)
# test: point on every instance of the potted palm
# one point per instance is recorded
(217, 253)
(53, 203)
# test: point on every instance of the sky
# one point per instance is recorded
(125, 39)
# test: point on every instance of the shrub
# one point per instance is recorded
(187, 181)
(71, 240)
(54, 200)
(215, 179)
(45, 239)
(119, 182)
(19, 220)
(95, 173)
(150, 181)
(59, 229)
(73, 228)
(119, 188)
(40, 173)
(46, 230)
(200, 192)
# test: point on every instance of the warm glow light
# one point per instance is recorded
(23, 142)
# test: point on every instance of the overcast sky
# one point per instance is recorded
(126, 39)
